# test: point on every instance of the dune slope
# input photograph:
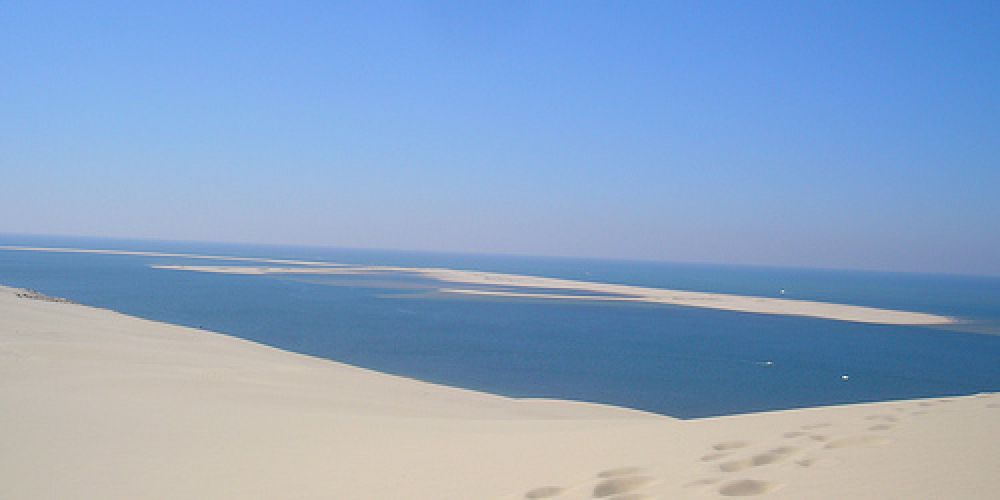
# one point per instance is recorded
(99, 405)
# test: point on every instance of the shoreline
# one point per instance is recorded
(606, 291)
(125, 407)
(17, 248)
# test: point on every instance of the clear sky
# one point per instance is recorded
(826, 134)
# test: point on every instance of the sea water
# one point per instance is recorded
(679, 361)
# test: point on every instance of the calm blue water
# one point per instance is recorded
(683, 362)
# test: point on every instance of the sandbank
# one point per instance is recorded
(163, 254)
(608, 292)
(604, 291)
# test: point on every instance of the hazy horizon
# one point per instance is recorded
(157, 245)
(849, 136)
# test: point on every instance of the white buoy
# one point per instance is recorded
(782, 291)
(844, 377)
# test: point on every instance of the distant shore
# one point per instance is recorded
(100, 405)
(594, 290)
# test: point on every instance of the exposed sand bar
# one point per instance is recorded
(162, 254)
(612, 292)
(728, 302)
(100, 405)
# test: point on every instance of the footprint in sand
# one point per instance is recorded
(747, 487)
(766, 458)
(729, 445)
(818, 437)
(736, 465)
(620, 471)
(713, 456)
(699, 483)
(817, 463)
(858, 441)
(925, 404)
(883, 417)
(620, 485)
(890, 419)
(793, 434)
(815, 426)
(543, 492)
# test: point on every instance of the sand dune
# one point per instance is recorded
(99, 405)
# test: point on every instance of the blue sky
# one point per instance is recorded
(846, 134)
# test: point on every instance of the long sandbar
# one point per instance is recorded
(609, 292)
(163, 254)
(604, 291)
(99, 405)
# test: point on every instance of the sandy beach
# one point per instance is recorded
(99, 405)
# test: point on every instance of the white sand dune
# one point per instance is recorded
(99, 405)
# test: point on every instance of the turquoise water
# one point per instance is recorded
(683, 362)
